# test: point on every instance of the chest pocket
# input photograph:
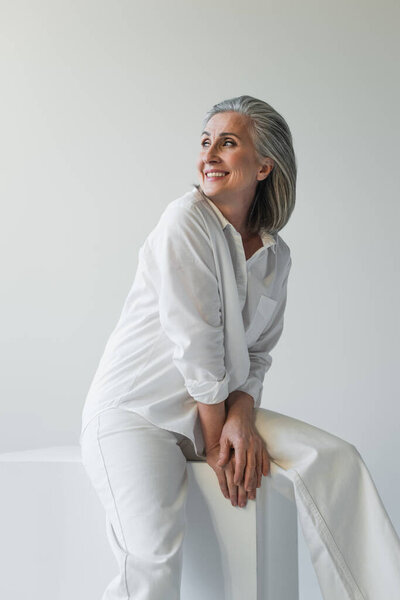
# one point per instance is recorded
(265, 309)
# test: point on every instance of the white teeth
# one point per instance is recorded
(216, 174)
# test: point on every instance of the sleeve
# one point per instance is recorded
(189, 302)
(259, 352)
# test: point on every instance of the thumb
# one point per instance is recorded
(224, 453)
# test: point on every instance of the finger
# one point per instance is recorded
(259, 464)
(250, 475)
(266, 462)
(233, 489)
(223, 484)
(240, 463)
(224, 452)
(242, 496)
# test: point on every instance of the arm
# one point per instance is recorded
(260, 355)
(189, 302)
(239, 429)
(212, 419)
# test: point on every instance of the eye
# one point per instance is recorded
(229, 142)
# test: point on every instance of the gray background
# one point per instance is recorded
(100, 124)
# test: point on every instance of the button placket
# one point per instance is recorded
(239, 262)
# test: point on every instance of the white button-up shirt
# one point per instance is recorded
(199, 321)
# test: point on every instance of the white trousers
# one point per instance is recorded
(139, 473)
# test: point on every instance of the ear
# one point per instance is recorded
(265, 169)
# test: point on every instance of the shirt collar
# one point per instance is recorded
(267, 238)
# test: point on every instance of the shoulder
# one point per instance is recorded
(183, 213)
(283, 251)
(181, 231)
(283, 247)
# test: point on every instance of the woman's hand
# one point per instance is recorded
(250, 460)
(237, 494)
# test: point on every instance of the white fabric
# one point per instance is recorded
(199, 321)
(139, 472)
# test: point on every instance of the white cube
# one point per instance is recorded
(53, 543)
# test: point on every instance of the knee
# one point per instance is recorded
(353, 451)
(343, 453)
(300, 441)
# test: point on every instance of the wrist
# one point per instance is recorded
(212, 419)
(240, 401)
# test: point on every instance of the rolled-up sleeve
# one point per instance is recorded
(189, 302)
(260, 351)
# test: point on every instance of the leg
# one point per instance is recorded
(353, 545)
(139, 473)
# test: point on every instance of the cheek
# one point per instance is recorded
(246, 168)
(240, 163)
(240, 170)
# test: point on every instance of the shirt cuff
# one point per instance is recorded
(209, 392)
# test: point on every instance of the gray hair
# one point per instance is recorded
(275, 195)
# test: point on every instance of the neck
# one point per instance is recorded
(236, 216)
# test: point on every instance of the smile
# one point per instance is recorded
(213, 175)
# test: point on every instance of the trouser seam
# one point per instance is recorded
(115, 506)
(326, 534)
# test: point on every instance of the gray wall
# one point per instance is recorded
(101, 113)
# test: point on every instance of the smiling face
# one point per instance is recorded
(227, 147)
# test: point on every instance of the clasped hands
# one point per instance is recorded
(240, 458)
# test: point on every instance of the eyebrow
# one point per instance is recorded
(223, 133)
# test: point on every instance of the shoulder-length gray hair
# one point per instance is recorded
(275, 195)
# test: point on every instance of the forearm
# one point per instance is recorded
(212, 419)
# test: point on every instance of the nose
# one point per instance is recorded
(210, 154)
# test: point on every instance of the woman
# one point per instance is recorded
(182, 374)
